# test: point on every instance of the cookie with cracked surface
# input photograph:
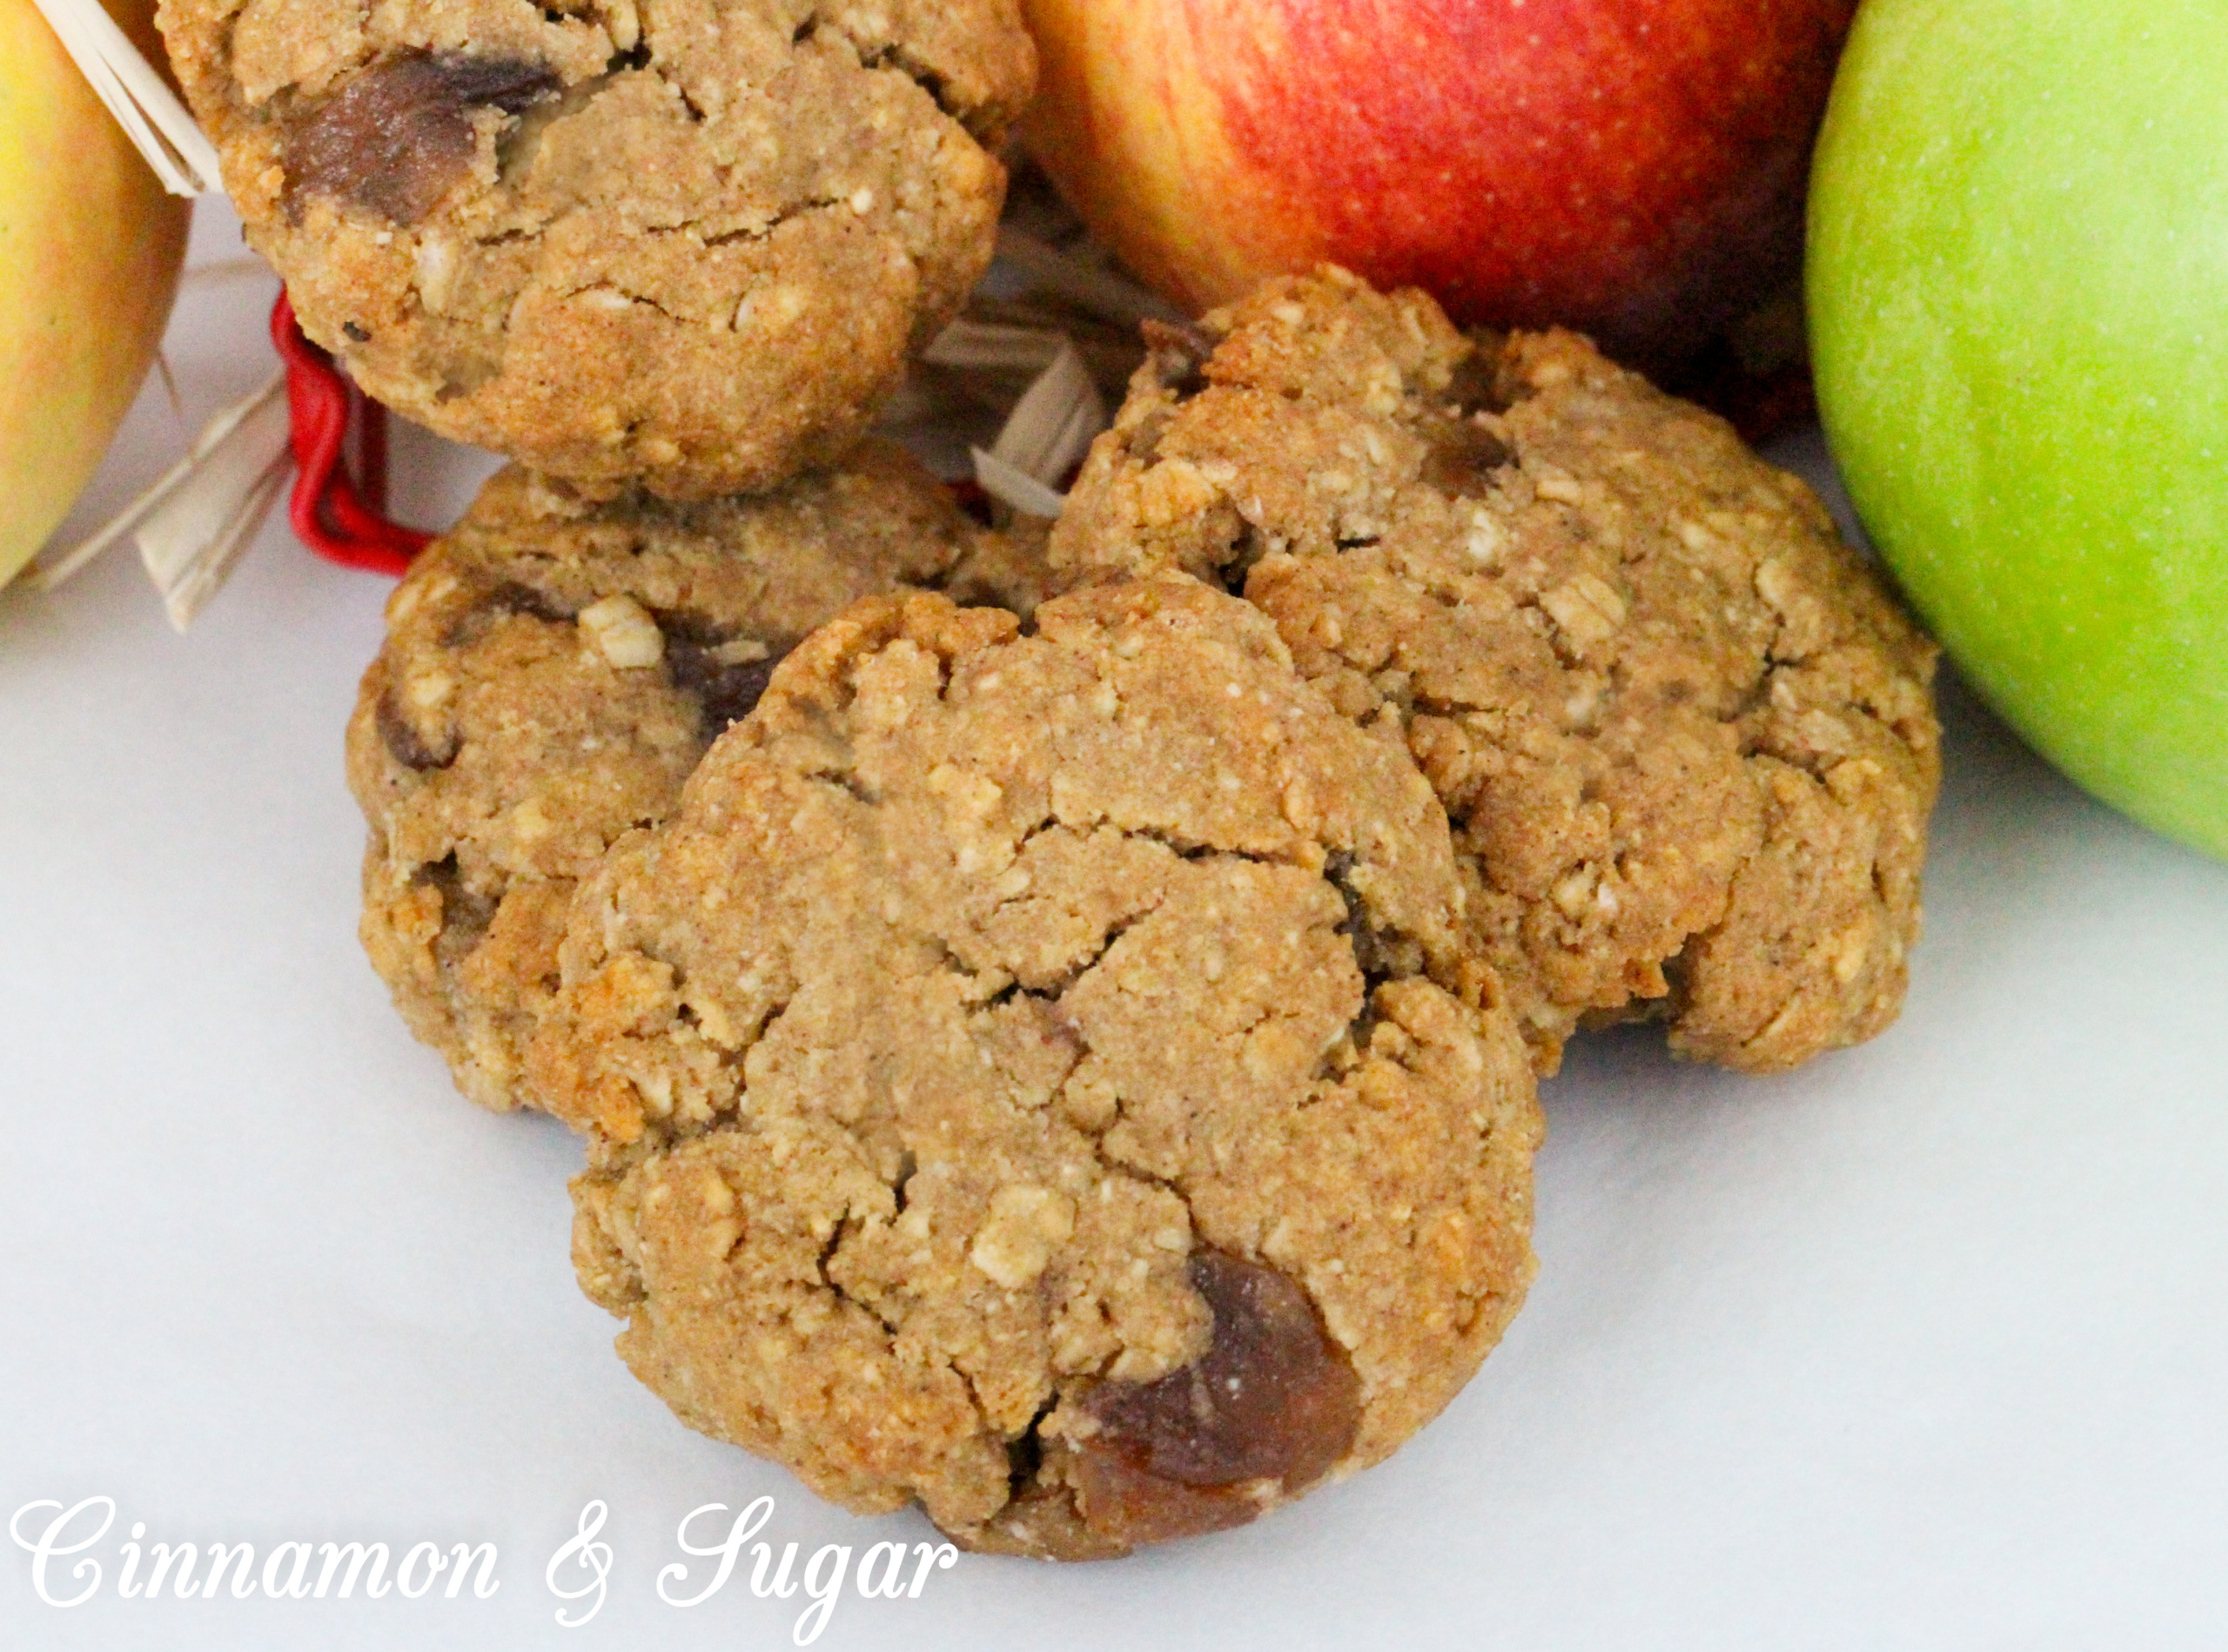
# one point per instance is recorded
(1038, 1075)
(552, 672)
(1686, 737)
(686, 243)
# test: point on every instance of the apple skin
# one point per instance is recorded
(1631, 168)
(2018, 298)
(89, 250)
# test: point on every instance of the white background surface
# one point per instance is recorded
(1925, 1345)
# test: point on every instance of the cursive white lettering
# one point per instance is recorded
(127, 1577)
(460, 1559)
(579, 1574)
(745, 1524)
(783, 1584)
(222, 1556)
(815, 1617)
(187, 1556)
(297, 1586)
(48, 1546)
(293, 1570)
(592, 1557)
(434, 1563)
(940, 1556)
(375, 1586)
(892, 1587)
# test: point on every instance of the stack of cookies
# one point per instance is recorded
(1054, 1031)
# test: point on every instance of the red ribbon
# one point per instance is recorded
(338, 512)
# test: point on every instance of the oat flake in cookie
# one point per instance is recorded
(552, 672)
(1686, 739)
(683, 241)
(1037, 1075)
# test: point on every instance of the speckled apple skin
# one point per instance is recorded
(2018, 294)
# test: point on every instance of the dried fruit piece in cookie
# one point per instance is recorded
(1273, 1397)
(1686, 737)
(552, 672)
(687, 245)
(1038, 1075)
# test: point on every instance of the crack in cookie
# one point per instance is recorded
(553, 672)
(1686, 737)
(688, 246)
(1058, 1196)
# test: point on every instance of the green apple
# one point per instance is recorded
(2018, 293)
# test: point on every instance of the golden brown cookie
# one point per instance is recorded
(686, 243)
(1038, 1075)
(1686, 737)
(552, 672)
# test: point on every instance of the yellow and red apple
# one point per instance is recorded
(1634, 168)
(90, 249)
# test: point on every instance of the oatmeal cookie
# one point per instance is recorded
(687, 244)
(553, 672)
(1686, 737)
(1039, 1076)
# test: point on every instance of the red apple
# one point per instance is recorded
(1633, 168)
